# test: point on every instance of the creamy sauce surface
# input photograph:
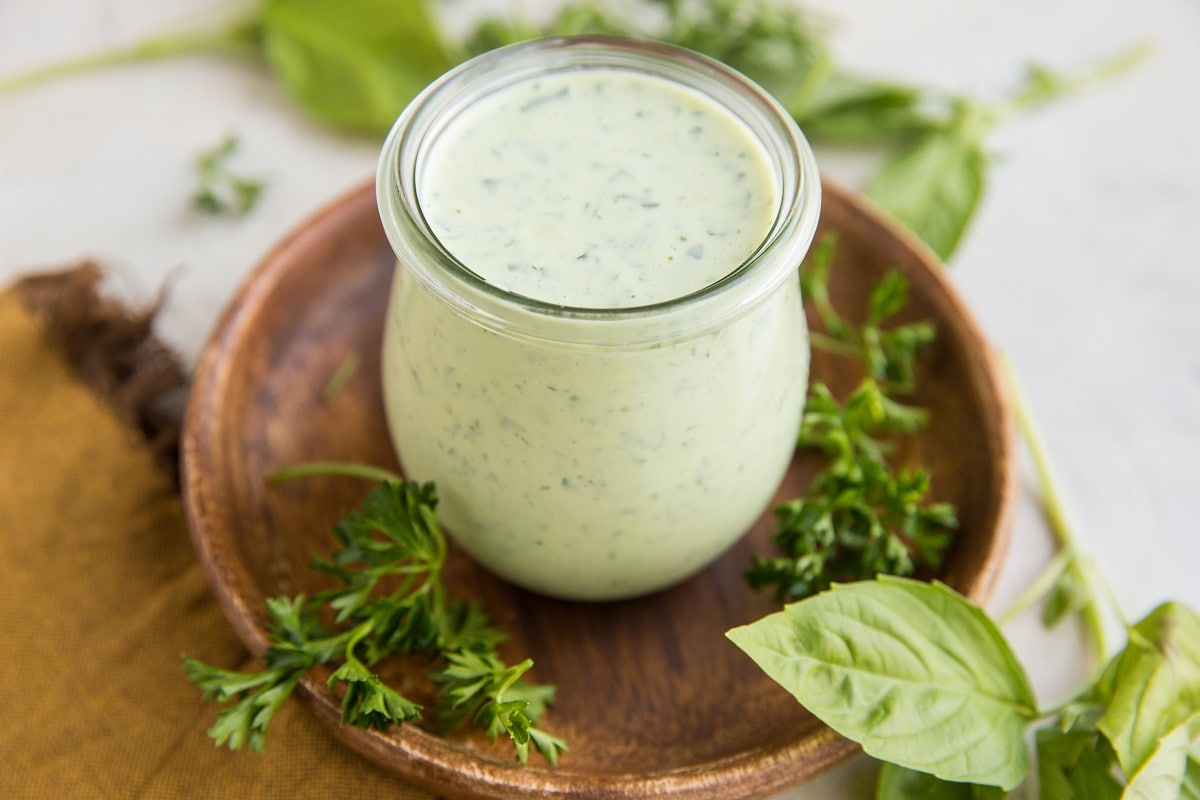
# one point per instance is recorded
(598, 188)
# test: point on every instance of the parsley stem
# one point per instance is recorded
(1039, 588)
(240, 36)
(343, 469)
(1058, 516)
(1043, 87)
(342, 373)
(829, 344)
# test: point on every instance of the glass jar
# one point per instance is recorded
(595, 448)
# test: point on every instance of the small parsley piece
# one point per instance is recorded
(221, 192)
(340, 376)
(859, 516)
(391, 538)
(889, 353)
(478, 686)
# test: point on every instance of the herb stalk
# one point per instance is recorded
(1071, 571)
(340, 469)
(241, 37)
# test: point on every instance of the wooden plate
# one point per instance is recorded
(652, 698)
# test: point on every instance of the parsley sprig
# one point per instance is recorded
(220, 190)
(391, 540)
(859, 515)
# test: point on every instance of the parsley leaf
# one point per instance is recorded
(394, 535)
(859, 516)
(220, 190)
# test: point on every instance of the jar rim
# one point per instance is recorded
(739, 290)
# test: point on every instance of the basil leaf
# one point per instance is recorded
(887, 298)
(852, 110)
(1190, 789)
(1165, 770)
(1075, 765)
(934, 185)
(1068, 597)
(1155, 683)
(901, 783)
(912, 671)
(355, 63)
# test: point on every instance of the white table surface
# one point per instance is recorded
(1080, 264)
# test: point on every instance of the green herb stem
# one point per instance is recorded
(1058, 517)
(239, 37)
(1038, 588)
(829, 344)
(341, 375)
(1043, 87)
(342, 469)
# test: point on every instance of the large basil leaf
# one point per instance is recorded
(1190, 790)
(850, 109)
(1167, 768)
(934, 185)
(912, 671)
(1155, 683)
(353, 63)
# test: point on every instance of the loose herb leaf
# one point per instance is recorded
(888, 351)
(1075, 764)
(934, 185)
(477, 686)
(885, 663)
(901, 783)
(1190, 789)
(1155, 683)
(220, 190)
(858, 516)
(772, 43)
(256, 698)
(393, 534)
(1069, 595)
(1165, 773)
(368, 702)
(851, 109)
(355, 63)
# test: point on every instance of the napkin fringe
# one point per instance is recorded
(114, 351)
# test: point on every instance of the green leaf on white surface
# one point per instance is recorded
(912, 671)
(1069, 595)
(1075, 765)
(901, 783)
(1155, 683)
(851, 109)
(1190, 790)
(1164, 772)
(934, 185)
(355, 63)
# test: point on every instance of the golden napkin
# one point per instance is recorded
(100, 590)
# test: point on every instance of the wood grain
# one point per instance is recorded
(652, 699)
